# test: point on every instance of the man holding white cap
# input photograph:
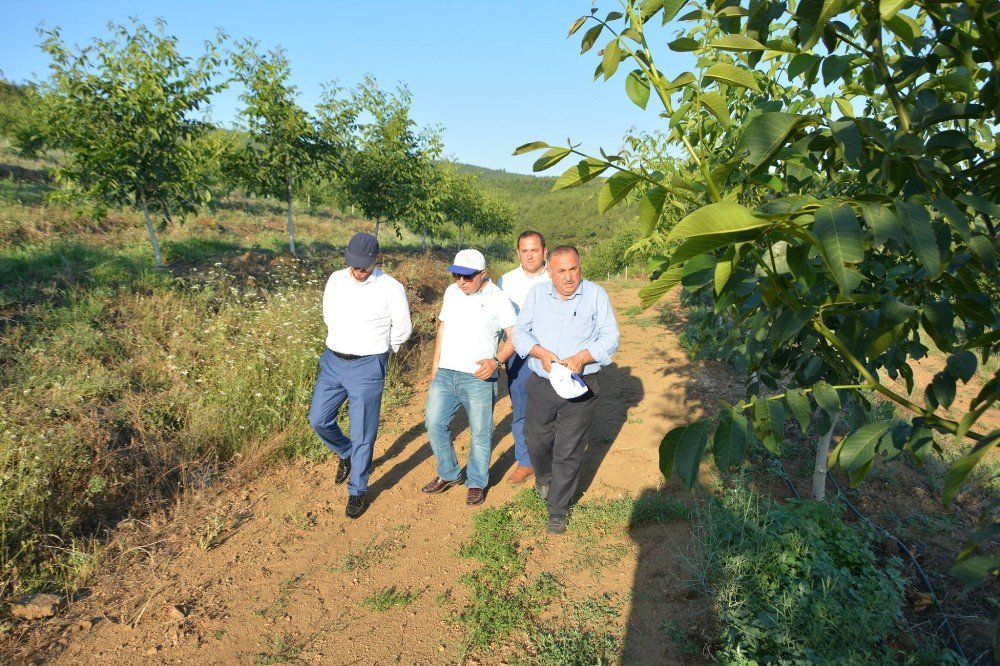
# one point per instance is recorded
(516, 284)
(464, 372)
(568, 323)
(367, 315)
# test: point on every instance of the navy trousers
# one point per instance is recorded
(517, 385)
(360, 382)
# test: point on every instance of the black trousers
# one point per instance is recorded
(555, 431)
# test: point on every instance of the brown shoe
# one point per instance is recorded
(438, 485)
(475, 496)
(520, 474)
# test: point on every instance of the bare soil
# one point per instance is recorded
(269, 569)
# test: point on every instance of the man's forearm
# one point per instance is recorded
(505, 351)
(437, 348)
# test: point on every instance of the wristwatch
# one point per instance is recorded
(497, 361)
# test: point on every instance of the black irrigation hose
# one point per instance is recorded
(780, 467)
(920, 569)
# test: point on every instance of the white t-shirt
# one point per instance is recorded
(516, 284)
(472, 326)
(363, 318)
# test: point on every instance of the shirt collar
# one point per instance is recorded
(555, 294)
(369, 280)
(524, 273)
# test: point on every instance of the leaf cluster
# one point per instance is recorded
(123, 110)
(837, 197)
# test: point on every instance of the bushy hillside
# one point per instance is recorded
(564, 216)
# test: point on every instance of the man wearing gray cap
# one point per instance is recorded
(464, 372)
(367, 316)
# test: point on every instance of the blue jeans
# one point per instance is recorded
(448, 390)
(517, 385)
(359, 381)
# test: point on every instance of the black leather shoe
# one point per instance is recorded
(475, 496)
(356, 506)
(556, 525)
(542, 489)
(439, 485)
(343, 470)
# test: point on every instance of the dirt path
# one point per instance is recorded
(290, 574)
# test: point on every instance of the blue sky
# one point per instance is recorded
(492, 74)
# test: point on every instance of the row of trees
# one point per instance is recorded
(124, 112)
(837, 195)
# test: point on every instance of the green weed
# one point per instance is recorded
(377, 549)
(680, 638)
(209, 535)
(498, 606)
(792, 583)
(280, 603)
(633, 311)
(573, 645)
(389, 597)
(581, 636)
(281, 650)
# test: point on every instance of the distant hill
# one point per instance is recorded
(564, 216)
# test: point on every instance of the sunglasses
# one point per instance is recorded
(466, 278)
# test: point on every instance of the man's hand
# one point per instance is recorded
(487, 366)
(576, 362)
(545, 356)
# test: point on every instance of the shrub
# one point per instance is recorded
(794, 584)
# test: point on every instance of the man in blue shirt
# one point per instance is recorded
(569, 321)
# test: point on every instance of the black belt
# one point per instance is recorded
(346, 357)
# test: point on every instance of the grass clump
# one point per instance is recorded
(498, 606)
(281, 650)
(794, 584)
(605, 516)
(377, 549)
(389, 597)
(599, 528)
(574, 645)
(581, 638)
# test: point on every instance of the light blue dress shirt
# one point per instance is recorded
(585, 320)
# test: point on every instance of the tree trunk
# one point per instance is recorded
(377, 222)
(458, 240)
(819, 470)
(291, 224)
(152, 231)
(425, 241)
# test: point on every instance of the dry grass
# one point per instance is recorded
(123, 386)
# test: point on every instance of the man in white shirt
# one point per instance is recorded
(367, 316)
(464, 372)
(516, 284)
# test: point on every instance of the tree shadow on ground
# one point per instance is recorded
(198, 250)
(620, 391)
(28, 187)
(57, 274)
(671, 620)
(402, 468)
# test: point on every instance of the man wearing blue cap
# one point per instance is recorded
(367, 316)
(464, 372)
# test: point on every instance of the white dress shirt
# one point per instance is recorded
(363, 318)
(516, 284)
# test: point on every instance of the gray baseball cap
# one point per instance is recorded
(361, 250)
